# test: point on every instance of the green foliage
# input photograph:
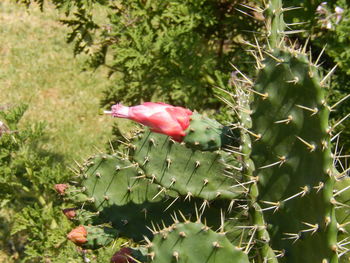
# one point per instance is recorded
(168, 51)
(333, 28)
(43, 236)
(29, 211)
(25, 172)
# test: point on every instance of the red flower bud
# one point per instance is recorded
(122, 256)
(69, 212)
(160, 117)
(78, 235)
(60, 188)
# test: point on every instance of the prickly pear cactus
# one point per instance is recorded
(129, 194)
(193, 242)
(118, 192)
(291, 153)
(270, 194)
(207, 134)
(181, 169)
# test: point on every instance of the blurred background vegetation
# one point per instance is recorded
(178, 52)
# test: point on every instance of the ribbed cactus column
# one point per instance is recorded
(274, 21)
(291, 150)
(292, 157)
(264, 252)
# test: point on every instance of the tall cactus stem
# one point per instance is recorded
(257, 218)
(275, 23)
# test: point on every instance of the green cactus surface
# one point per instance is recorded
(99, 236)
(121, 194)
(292, 157)
(207, 134)
(203, 174)
(193, 242)
(342, 197)
(262, 237)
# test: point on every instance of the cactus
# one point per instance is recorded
(181, 169)
(270, 199)
(290, 120)
(342, 202)
(92, 237)
(207, 134)
(117, 191)
(193, 242)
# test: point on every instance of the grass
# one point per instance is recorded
(38, 68)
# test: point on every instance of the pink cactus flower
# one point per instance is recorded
(61, 188)
(69, 212)
(122, 256)
(160, 117)
(78, 235)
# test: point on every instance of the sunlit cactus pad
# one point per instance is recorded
(120, 193)
(116, 190)
(291, 153)
(207, 134)
(193, 243)
(208, 175)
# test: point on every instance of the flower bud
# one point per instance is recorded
(122, 256)
(160, 117)
(78, 235)
(60, 188)
(69, 212)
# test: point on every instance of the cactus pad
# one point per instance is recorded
(117, 190)
(291, 153)
(99, 236)
(207, 134)
(193, 242)
(207, 175)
